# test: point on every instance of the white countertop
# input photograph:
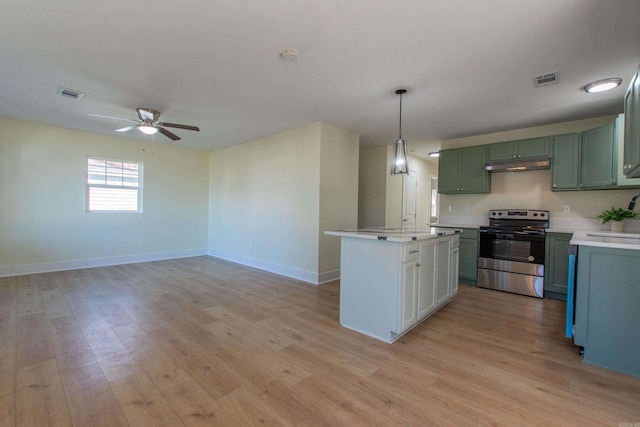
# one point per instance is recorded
(400, 235)
(606, 239)
(440, 224)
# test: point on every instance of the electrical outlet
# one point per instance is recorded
(110, 249)
(566, 209)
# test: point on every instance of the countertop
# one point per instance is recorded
(440, 224)
(399, 235)
(606, 239)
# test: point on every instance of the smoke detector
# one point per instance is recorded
(289, 54)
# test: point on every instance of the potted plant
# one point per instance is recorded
(617, 216)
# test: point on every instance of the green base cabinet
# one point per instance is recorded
(606, 310)
(556, 265)
(462, 171)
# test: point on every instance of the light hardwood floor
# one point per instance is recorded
(201, 341)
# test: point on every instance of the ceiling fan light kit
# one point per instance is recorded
(149, 124)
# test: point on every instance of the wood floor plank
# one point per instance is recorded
(8, 409)
(203, 341)
(196, 408)
(90, 398)
(141, 403)
(33, 340)
(40, 398)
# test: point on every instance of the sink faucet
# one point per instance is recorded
(632, 203)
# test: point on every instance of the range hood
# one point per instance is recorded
(519, 165)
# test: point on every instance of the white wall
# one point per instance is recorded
(530, 190)
(339, 155)
(265, 201)
(372, 187)
(44, 225)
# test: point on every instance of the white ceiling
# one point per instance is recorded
(467, 64)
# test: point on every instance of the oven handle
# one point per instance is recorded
(519, 233)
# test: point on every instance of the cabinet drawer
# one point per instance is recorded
(411, 252)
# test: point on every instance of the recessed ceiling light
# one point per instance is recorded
(290, 55)
(602, 85)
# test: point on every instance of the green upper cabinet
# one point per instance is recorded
(597, 158)
(525, 148)
(631, 163)
(565, 162)
(584, 161)
(462, 171)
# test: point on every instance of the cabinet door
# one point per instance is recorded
(534, 147)
(597, 168)
(473, 176)
(556, 263)
(565, 162)
(468, 268)
(448, 168)
(632, 129)
(443, 271)
(502, 151)
(426, 278)
(453, 289)
(409, 294)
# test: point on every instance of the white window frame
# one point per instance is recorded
(120, 186)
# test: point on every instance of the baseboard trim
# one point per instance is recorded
(19, 270)
(283, 270)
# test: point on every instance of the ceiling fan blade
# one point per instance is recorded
(179, 126)
(112, 117)
(168, 134)
(128, 128)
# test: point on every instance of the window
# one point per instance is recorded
(113, 185)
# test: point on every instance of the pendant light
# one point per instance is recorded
(400, 165)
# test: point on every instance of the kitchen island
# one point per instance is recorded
(607, 299)
(392, 279)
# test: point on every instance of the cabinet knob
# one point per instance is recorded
(555, 185)
(417, 264)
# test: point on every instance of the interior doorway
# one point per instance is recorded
(409, 192)
(434, 200)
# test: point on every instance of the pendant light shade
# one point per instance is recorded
(400, 165)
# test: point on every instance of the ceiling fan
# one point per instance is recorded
(149, 123)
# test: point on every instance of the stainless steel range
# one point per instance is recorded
(512, 251)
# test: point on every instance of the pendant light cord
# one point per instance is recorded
(400, 125)
(400, 92)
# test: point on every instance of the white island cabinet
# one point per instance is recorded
(392, 279)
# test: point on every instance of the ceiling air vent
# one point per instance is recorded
(545, 79)
(70, 93)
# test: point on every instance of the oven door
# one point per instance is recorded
(512, 261)
(520, 246)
